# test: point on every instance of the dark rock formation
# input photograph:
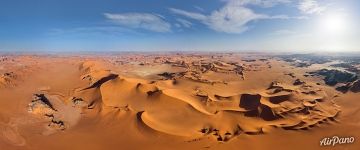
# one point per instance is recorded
(333, 77)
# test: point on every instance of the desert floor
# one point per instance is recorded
(170, 101)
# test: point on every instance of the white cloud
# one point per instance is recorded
(232, 19)
(234, 16)
(184, 22)
(310, 7)
(286, 17)
(229, 19)
(199, 8)
(192, 15)
(263, 3)
(146, 21)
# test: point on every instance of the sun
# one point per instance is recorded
(333, 30)
(333, 24)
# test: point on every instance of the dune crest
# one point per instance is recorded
(165, 106)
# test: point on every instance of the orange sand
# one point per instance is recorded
(168, 101)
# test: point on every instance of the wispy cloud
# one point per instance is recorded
(234, 16)
(147, 21)
(95, 30)
(199, 8)
(262, 3)
(232, 19)
(184, 22)
(192, 15)
(228, 19)
(310, 7)
(286, 17)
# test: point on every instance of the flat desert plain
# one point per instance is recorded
(169, 101)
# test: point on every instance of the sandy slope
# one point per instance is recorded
(168, 101)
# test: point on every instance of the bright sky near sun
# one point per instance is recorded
(184, 25)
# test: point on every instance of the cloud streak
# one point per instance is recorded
(228, 19)
(262, 3)
(192, 15)
(310, 7)
(95, 30)
(234, 16)
(184, 22)
(147, 21)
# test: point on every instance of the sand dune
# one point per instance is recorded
(285, 106)
(192, 100)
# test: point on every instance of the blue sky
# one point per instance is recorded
(179, 25)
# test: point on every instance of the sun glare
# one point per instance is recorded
(333, 30)
(333, 24)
